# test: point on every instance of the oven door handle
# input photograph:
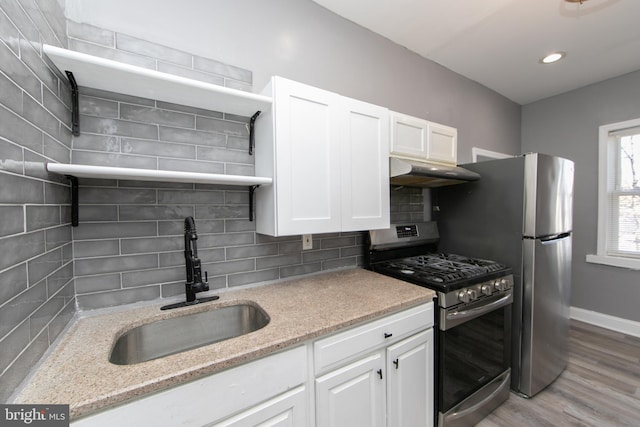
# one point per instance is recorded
(477, 406)
(449, 320)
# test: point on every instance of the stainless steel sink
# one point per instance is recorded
(177, 334)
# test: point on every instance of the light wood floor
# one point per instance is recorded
(599, 388)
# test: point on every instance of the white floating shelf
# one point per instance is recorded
(107, 172)
(105, 74)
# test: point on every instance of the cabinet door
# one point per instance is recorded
(442, 144)
(353, 396)
(307, 134)
(287, 410)
(409, 136)
(410, 381)
(365, 166)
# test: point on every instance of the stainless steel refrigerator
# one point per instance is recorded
(520, 213)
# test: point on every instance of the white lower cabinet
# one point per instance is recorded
(352, 396)
(392, 387)
(410, 381)
(379, 374)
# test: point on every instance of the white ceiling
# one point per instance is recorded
(498, 43)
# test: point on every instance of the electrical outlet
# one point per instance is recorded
(307, 242)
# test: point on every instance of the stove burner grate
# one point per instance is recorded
(443, 268)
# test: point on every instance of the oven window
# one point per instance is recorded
(472, 354)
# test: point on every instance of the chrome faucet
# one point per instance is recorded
(194, 283)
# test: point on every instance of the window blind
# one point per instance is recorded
(623, 191)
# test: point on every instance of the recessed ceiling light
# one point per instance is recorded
(553, 57)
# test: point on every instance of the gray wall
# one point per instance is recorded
(300, 40)
(567, 126)
(36, 269)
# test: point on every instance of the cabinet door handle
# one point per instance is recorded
(379, 371)
(386, 335)
(396, 362)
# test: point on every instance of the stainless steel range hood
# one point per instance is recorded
(413, 173)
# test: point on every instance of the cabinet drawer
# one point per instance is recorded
(342, 346)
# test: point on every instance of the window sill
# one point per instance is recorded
(631, 263)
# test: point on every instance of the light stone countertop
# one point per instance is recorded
(78, 372)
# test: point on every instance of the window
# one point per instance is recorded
(481, 155)
(619, 195)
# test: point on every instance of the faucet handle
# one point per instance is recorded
(205, 284)
(199, 287)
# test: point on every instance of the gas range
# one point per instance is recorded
(473, 317)
(456, 278)
(408, 252)
(441, 271)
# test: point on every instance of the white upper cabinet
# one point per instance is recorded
(328, 156)
(408, 136)
(419, 139)
(442, 146)
(365, 166)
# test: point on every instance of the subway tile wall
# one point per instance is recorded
(129, 244)
(36, 260)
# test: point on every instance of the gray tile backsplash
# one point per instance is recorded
(129, 244)
(141, 47)
(36, 265)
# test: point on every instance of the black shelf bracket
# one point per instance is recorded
(252, 137)
(75, 217)
(252, 190)
(74, 200)
(75, 108)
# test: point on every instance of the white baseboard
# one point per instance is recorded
(606, 321)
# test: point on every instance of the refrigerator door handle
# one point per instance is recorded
(555, 237)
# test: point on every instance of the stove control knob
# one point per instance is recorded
(464, 296)
(467, 295)
(486, 290)
(502, 285)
